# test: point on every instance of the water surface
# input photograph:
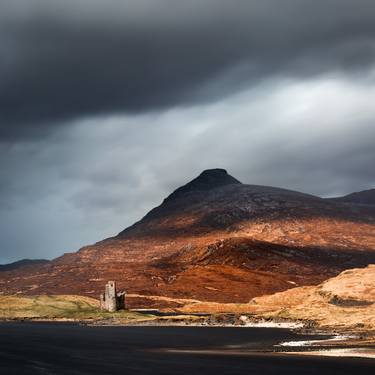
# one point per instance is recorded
(44, 348)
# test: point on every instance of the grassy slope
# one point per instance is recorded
(343, 302)
(58, 307)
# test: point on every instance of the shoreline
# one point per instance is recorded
(337, 353)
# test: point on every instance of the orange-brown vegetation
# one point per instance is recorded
(346, 301)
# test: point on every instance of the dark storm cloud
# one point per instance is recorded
(70, 59)
(107, 106)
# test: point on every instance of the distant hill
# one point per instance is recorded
(361, 197)
(22, 263)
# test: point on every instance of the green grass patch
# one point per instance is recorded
(60, 307)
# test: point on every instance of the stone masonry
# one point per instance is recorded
(111, 300)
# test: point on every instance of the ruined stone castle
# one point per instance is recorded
(111, 300)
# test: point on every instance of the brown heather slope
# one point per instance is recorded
(215, 239)
(346, 301)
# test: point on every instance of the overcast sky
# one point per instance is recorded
(107, 106)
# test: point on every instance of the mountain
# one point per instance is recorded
(362, 197)
(215, 239)
(22, 263)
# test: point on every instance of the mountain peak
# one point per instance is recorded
(214, 172)
(207, 180)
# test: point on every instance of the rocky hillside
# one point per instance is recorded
(215, 239)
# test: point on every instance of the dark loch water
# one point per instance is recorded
(41, 348)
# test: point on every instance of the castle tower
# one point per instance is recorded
(110, 296)
(111, 300)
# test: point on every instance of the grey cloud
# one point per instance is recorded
(66, 60)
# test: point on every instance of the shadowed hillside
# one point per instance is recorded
(362, 197)
(23, 263)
